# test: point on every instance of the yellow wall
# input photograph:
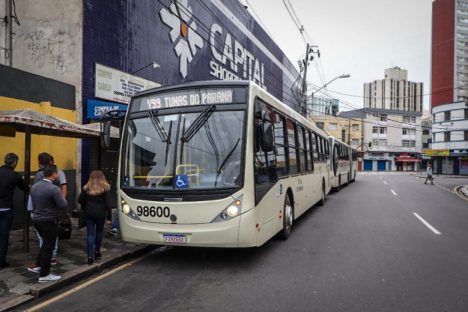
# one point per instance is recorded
(63, 149)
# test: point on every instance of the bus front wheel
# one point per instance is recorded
(288, 217)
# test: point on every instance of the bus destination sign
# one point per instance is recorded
(189, 98)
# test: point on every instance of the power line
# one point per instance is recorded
(294, 18)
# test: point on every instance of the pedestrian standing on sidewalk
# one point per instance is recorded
(429, 174)
(9, 180)
(47, 201)
(96, 206)
(43, 160)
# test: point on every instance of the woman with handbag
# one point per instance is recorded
(96, 206)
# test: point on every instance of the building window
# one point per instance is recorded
(319, 124)
(426, 132)
(332, 126)
(405, 143)
(447, 136)
(425, 145)
(466, 135)
(447, 116)
(355, 127)
(409, 119)
(405, 131)
(343, 135)
(466, 113)
(355, 142)
(383, 117)
(382, 142)
(383, 130)
(375, 142)
(375, 129)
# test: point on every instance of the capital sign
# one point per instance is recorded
(183, 32)
(230, 59)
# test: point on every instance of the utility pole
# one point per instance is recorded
(303, 106)
(8, 32)
(349, 131)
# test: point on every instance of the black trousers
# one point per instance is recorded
(6, 219)
(48, 231)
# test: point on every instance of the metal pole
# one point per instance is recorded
(349, 132)
(303, 107)
(27, 178)
(8, 32)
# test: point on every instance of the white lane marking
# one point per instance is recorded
(444, 188)
(433, 229)
(394, 193)
(385, 182)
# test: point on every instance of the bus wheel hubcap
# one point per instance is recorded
(288, 215)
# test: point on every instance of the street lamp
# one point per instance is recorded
(325, 85)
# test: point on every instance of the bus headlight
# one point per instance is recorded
(126, 209)
(232, 211)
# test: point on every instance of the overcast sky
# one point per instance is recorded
(356, 37)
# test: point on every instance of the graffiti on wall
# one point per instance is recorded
(47, 50)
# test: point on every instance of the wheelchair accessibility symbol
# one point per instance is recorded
(181, 181)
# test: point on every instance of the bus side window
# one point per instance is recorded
(265, 162)
(310, 150)
(320, 148)
(315, 146)
(280, 145)
(291, 129)
(300, 150)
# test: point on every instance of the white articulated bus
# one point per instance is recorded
(217, 164)
(343, 164)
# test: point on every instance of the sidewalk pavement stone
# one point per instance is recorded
(18, 285)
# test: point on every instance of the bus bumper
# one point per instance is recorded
(220, 234)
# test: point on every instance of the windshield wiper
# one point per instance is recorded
(225, 160)
(168, 143)
(198, 123)
(159, 127)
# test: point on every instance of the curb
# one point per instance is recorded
(458, 190)
(68, 278)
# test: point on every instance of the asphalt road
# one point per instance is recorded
(365, 250)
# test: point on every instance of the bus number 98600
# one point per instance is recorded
(152, 211)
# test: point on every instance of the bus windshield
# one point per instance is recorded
(184, 150)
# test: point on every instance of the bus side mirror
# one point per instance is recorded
(268, 142)
(105, 134)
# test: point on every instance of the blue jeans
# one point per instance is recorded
(6, 219)
(94, 234)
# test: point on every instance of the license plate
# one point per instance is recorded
(175, 238)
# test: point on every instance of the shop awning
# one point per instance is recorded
(38, 123)
(32, 122)
(406, 159)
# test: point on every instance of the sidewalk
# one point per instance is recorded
(461, 190)
(18, 285)
(422, 175)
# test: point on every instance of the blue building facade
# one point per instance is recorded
(190, 40)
